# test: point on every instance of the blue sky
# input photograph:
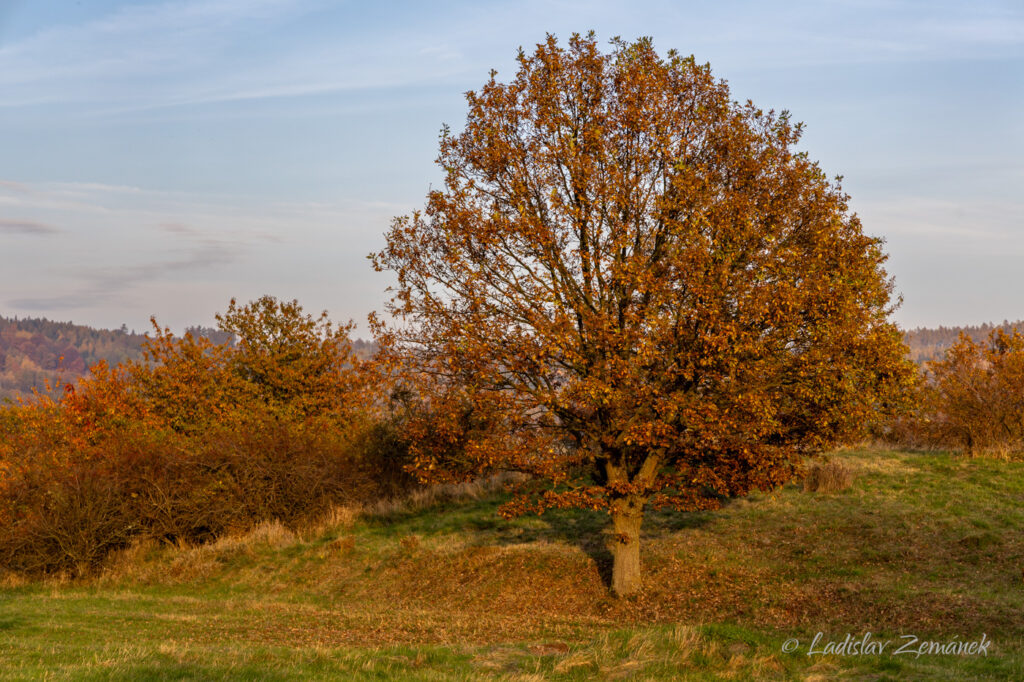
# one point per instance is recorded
(159, 158)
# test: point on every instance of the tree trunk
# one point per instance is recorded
(627, 516)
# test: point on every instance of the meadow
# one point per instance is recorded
(437, 586)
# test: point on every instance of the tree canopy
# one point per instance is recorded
(637, 290)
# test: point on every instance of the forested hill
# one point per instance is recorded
(930, 344)
(37, 352)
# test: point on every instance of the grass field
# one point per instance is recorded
(442, 588)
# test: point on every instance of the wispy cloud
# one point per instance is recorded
(98, 285)
(152, 55)
(16, 186)
(32, 227)
(186, 53)
(177, 228)
(140, 48)
(136, 251)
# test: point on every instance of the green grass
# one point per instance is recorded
(920, 544)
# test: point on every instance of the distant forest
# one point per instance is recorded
(930, 344)
(35, 353)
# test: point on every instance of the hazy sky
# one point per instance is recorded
(158, 158)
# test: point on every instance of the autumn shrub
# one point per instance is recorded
(71, 522)
(68, 507)
(172, 487)
(187, 382)
(383, 451)
(65, 507)
(291, 471)
(199, 440)
(973, 398)
(297, 365)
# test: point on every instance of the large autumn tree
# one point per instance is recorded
(637, 290)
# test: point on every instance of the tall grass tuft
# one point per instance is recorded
(828, 477)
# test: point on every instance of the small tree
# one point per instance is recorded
(974, 396)
(636, 290)
(186, 381)
(291, 360)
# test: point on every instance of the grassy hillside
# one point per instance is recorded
(442, 588)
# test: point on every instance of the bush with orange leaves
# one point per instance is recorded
(198, 440)
(973, 399)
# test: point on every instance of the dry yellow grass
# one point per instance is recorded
(191, 562)
(429, 496)
(828, 477)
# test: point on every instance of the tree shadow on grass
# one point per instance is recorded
(9, 622)
(589, 530)
(583, 528)
(173, 670)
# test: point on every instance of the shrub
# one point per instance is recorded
(65, 508)
(294, 363)
(199, 440)
(973, 400)
(385, 458)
